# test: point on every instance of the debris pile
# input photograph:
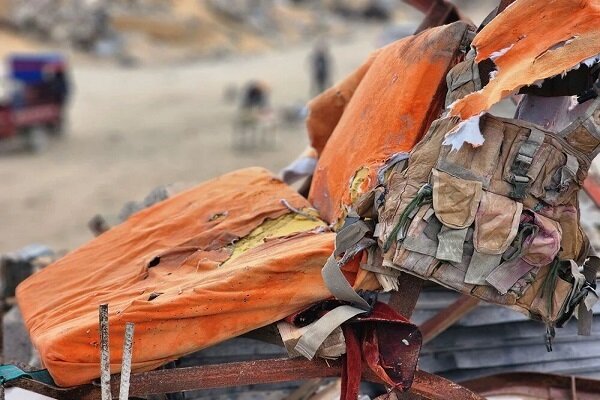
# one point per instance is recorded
(163, 30)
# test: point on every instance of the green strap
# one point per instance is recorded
(9, 373)
(423, 196)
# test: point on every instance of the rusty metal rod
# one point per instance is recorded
(444, 319)
(426, 385)
(104, 353)
(126, 363)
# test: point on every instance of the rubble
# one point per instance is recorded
(151, 31)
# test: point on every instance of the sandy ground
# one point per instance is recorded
(134, 129)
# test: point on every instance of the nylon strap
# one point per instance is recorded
(9, 373)
(522, 163)
(398, 160)
(481, 266)
(450, 244)
(585, 312)
(507, 274)
(569, 172)
(339, 286)
(314, 337)
(351, 234)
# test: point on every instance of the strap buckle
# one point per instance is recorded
(520, 185)
(521, 164)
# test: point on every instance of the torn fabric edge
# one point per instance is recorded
(465, 132)
(390, 163)
(500, 53)
(298, 169)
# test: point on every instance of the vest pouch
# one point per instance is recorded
(462, 80)
(403, 186)
(475, 163)
(549, 311)
(496, 226)
(533, 252)
(455, 200)
(585, 136)
(549, 175)
(418, 249)
(527, 157)
(496, 223)
(562, 175)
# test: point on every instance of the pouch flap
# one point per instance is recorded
(455, 200)
(496, 223)
(545, 245)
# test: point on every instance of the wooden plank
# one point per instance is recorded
(431, 328)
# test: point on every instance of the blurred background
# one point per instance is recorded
(102, 101)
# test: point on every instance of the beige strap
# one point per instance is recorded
(314, 337)
(450, 244)
(481, 266)
(338, 285)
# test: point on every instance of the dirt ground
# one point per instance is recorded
(134, 129)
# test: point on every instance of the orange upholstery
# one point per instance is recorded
(172, 270)
(326, 109)
(400, 94)
(529, 41)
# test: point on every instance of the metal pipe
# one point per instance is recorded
(104, 353)
(126, 363)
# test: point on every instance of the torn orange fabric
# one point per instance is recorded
(325, 110)
(401, 93)
(529, 41)
(173, 271)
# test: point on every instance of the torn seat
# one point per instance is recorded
(242, 250)
(211, 263)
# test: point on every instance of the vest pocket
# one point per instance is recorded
(496, 223)
(455, 200)
(526, 160)
(536, 247)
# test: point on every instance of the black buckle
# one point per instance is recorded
(520, 186)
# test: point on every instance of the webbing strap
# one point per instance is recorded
(481, 266)
(585, 312)
(398, 161)
(450, 244)
(507, 274)
(339, 286)
(522, 163)
(569, 172)
(351, 234)
(9, 373)
(314, 337)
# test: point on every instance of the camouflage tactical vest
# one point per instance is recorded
(499, 221)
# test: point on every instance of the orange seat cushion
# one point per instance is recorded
(401, 93)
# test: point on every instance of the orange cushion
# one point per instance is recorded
(201, 289)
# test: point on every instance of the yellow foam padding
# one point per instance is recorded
(274, 228)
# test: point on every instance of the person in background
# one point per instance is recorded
(255, 123)
(255, 96)
(320, 65)
(58, 84)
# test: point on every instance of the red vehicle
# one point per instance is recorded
(36, 109)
